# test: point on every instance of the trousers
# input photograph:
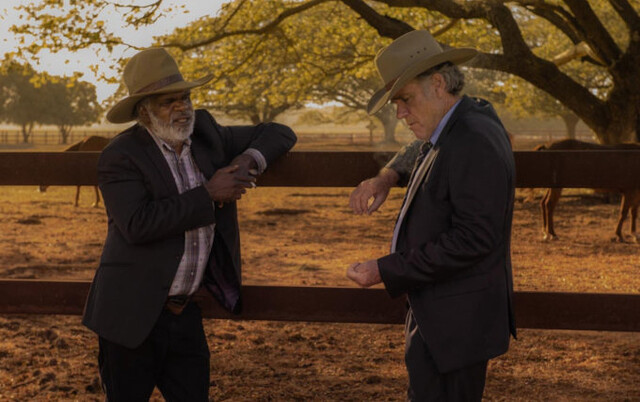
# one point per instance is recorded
(174, 358)
(427, 384)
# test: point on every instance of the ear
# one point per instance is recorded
(143, 114)
(438, 83)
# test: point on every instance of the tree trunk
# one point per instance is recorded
(64, 133)
(570, 122)
(387, 117)
(27, 129)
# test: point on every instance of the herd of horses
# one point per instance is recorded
(629, 203)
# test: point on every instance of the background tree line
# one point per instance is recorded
(29, 98)
(577, 59)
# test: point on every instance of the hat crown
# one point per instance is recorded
(150, 70)
(405, 51)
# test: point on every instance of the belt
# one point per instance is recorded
(176, 304)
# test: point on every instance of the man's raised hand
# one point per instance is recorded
(229, 183)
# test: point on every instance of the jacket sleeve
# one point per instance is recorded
(140, 212)
(272, 140)
(404, 161)
(479, 190)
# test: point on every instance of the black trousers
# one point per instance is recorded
(175, 358)
(426, 383)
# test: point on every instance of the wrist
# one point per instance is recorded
(388, 177)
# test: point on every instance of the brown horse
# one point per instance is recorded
(91, 143)
(630, 196)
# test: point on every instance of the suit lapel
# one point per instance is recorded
(421, 175)
(150, 148)
(202, 156)
(424, 170)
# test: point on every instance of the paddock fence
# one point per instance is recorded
(542, 310)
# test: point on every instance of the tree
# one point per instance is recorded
(70, 103)
(21, 100)
(303, 60)
(255, 78)
(500, 30)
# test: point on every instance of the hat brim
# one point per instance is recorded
(455, 56)
(123, 111)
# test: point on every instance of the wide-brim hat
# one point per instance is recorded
(407, 57)
(150, 72)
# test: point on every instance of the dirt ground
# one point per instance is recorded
(308, 236)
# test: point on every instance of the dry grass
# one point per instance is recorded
(307, 236)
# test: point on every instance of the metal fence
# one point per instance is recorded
(548, 310)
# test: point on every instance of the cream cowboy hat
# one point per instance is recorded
(150, 72)
(407, 57)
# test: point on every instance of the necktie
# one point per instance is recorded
(424, 150)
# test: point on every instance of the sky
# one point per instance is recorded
(65, 63)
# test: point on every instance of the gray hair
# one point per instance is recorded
(452, 75)
(144, 103)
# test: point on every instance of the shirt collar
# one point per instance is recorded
(164, 146)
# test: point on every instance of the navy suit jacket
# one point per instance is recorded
(453, 256)
(147, 219)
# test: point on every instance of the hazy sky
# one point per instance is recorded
(57, 64)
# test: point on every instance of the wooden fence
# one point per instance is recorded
(549, 310)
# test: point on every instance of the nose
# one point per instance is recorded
(182, 104)
(401, 111)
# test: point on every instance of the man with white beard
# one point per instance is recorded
(169, 185)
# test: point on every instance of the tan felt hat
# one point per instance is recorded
(150, 72)
(407, 57)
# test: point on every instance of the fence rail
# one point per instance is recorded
(551, 310)
(577, 169)
(542, 310)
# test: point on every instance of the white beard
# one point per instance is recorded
(168, 132)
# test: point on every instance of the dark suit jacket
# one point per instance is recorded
(452, 256)
(147, 219)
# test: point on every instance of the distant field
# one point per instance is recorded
(308, 138)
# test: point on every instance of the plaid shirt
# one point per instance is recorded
(197, 242)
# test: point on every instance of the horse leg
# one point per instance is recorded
(97, 203)
(543, 209)
(552, 201)
(624, 211)
(77, 195)
(634, 214)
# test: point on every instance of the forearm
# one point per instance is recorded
(388, 176)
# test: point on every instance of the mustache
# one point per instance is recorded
(188, 115)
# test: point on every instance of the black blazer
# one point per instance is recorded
(147, 219)
(452, 256)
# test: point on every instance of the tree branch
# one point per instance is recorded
(546, 76)
(627, 13)
(558, 17)
(452, 22)
(265, 29)
(386, 26)
(595, 34)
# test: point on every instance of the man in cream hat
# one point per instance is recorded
(450, 251)
(169, 185)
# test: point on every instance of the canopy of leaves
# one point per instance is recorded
(518, 37)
